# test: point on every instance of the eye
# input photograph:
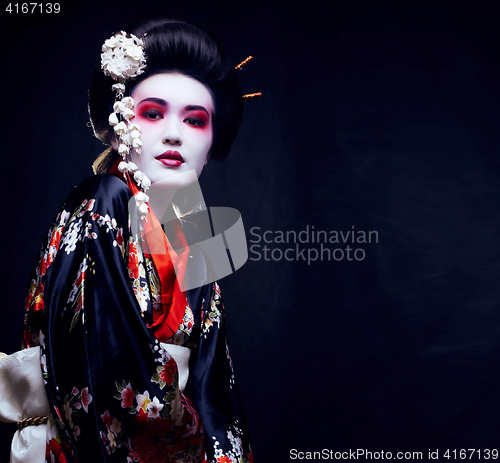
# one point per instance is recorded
(152, 115)
(194, 121)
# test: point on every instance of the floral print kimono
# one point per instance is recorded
(97, 309)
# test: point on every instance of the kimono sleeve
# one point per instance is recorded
(213, 390)
(88, 305)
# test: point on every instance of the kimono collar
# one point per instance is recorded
(166, 260)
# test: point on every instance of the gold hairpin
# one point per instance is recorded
(238, 68)
(245, 61)
(251, 95)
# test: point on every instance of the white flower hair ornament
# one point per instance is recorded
(123, 58)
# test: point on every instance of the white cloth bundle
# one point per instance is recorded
(22, 395)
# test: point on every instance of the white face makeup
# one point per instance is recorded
(174, 113)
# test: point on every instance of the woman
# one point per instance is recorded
(135, 368)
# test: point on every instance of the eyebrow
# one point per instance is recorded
(195, 107)
(164, 103)
(155, 100)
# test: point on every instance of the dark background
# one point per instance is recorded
(376, 115)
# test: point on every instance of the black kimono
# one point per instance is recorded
(113, 386)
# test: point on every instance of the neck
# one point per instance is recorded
(162, 191)
(160, 200)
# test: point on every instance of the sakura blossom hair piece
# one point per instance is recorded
(122, 58)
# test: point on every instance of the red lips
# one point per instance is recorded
(170, 158)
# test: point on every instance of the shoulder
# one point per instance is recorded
(103, 187)
(103, 194)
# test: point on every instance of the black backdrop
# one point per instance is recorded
(376, 116)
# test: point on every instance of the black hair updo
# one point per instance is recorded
(175, 44)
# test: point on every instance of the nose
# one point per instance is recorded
(172, 133)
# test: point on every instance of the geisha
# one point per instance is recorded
(135, 367)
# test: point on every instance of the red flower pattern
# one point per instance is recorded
(127, 395)
(55, 452)
(153, 446)
(86, 399)
(119, 237)
(133, 261)
(168, 372)
(142, 418)
(149, 443)
(107, 418)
